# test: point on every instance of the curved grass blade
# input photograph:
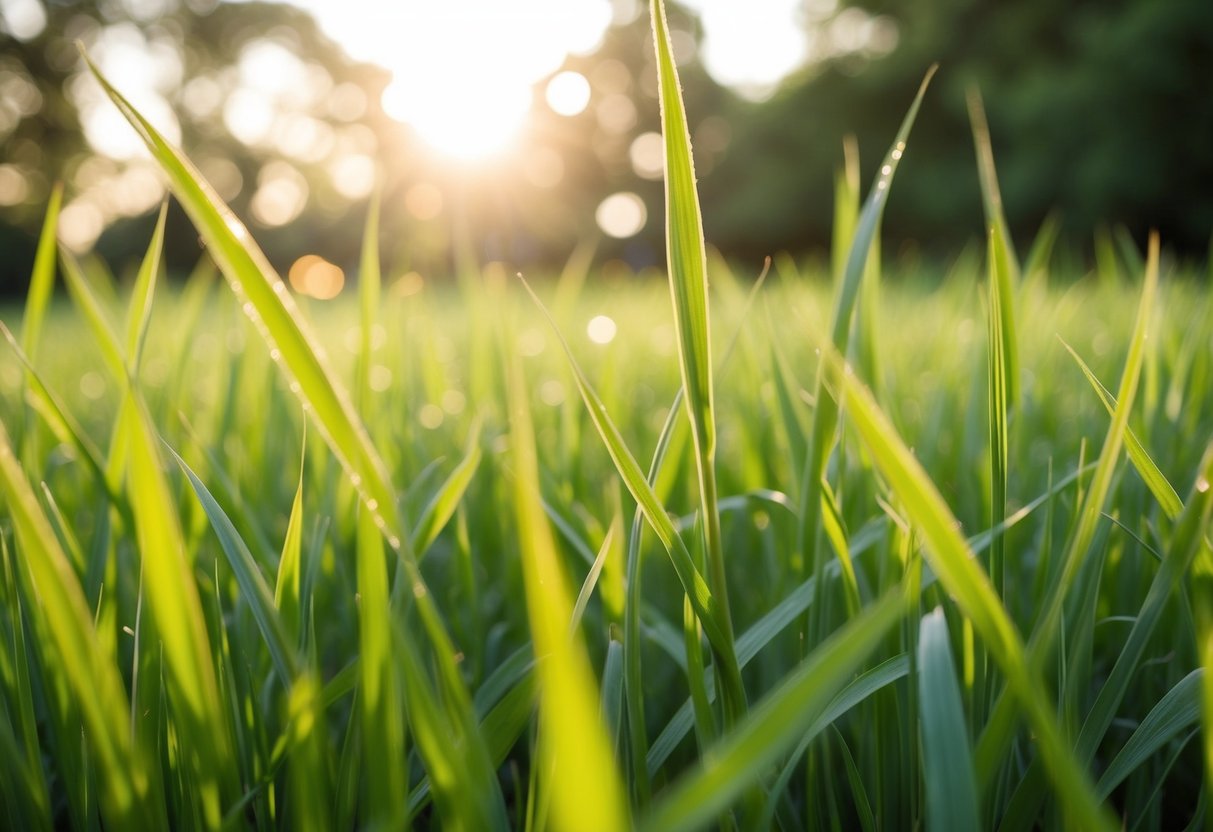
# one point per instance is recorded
(1178, 710)
(947, 765)
(287, 585)
(773, 725)
(268, 303)
(952, 561)
(1154, 479)
(441, 507)
(140, 309)
(42, 278)
(248, 576)
(825, 414)
(369, 279)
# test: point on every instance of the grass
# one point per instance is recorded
(396, 560)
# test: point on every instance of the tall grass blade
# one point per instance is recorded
(140, 309)
(687, 264)
(952, 799)
(575, 752)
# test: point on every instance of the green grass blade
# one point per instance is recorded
(42, 279)
(253, 587)
(706, 606)
(287, 585)
(441, 507)
(141, 296)
(1154, 479)
(96, 685)
(1178, 710)
(997, 734)
(268, 302)
(687, 265)
(773, 725)
(1004, 266)
(110, 348)
(951, 559)
(951, 788)
(574, 747)
(369, 280)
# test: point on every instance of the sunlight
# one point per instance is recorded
(463, 74)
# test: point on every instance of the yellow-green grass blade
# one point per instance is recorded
(1201, 583)
(591, 581)
(248, 576)
(369, 279)
(268, 303)
(1001, 344)
(687, 266)
(141, 296)
(197, 707)
(287, 584)
(42, 278)
(951, 788)
(952, 561)
(109, 347)
(584, 785)
(996, 736)
(96, 685)
(774, 725)
(706, 606)
(307, 766)
(386, 777)
(1004, 266)
(1154, 479)
(441, 507)
(61, 422)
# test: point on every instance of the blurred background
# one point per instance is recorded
(518, 131)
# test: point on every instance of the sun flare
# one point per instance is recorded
(464, 74)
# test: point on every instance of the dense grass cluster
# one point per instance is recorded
(937, 554)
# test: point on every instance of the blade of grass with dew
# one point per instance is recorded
(825, 413)
(996, 736)
(1154, 479)
(744, 755)
(951, 559)
(951, 789)
(687, 266)
(268, 303)
(584, 784)
(706, 606)
(96, 684)
(253, 587)
(1178, 710)
(1004, 266)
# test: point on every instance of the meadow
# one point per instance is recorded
(831, 548)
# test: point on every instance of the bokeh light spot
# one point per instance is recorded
(568, 93)
(621, 215)
(316, 277)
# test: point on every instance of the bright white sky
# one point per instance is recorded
(464, 69)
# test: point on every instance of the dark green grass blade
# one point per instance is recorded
(253, 587)
(1175, 713)
(774, 725)
(951, 559)
(951, 789)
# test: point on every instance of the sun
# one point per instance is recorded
(464, 71)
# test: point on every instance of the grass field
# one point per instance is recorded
(869, 551)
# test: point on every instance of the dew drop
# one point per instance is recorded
(1202, 485)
